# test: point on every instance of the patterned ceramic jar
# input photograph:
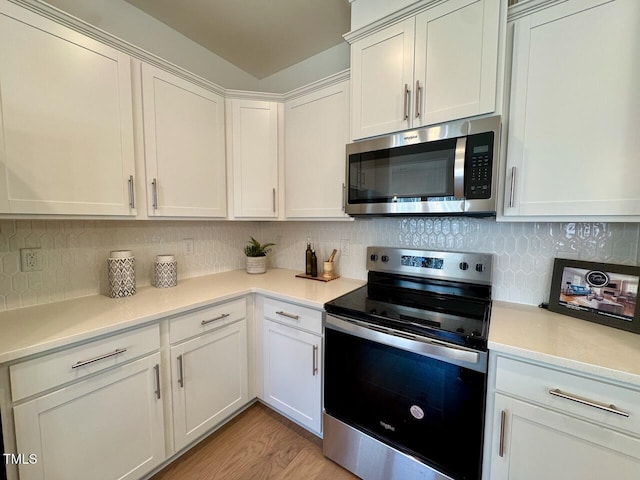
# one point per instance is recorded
(122, 273)
(166, 269)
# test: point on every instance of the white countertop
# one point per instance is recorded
(32, 330)
(540, 335)
(526, 331)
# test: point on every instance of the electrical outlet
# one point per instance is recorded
(30, 260)
(344, 247)
(187, 246)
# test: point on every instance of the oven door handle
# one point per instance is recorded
(450, 353)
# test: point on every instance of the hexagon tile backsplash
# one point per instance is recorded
(74, 252)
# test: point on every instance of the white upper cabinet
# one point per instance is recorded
(575, 106)
(253, 155)
(316, 132)
(381, 79)
(66, 128)
(455, 61)
(184, 147)
(438, 65)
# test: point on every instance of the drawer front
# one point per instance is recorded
(293, 315)
(49, 371)
(569, 393)
(206, 319)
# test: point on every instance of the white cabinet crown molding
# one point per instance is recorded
(63, 18)
(334, 79)
(527, 7)
(396, 17)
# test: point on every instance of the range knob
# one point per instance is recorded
(385, 258)
(374, 257)
(464, 266)
(479, 267)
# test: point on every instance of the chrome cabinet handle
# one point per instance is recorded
(344, 197)
(503, 423)
(274, 200)
(418, 98)
(288, 315)
(220, 317)
(611, 408)
(406, 102)
(82, 363)
(156, 370)
(132, 200)
(180, 372)
(315, 360)
(154, 185)
(513, 187)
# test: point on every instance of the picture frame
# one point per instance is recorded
(603, 293)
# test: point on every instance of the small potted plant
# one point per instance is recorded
(257, 256)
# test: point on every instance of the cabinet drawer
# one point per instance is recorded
(208, 318)
(535, 383)
(43, 373)
(294, 315)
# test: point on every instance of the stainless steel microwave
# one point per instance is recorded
(446, 169)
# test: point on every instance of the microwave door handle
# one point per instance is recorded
(458, 168)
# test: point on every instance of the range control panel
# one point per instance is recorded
(459, 266)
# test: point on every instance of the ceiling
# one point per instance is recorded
(261, 37)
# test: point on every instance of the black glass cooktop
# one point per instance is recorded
(450, 311)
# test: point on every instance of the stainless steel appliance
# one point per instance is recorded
(446, 169)
(405, 367)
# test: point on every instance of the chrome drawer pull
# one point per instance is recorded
(288, 315)
(101, 357)
(180, 371)
(206, 322)
(611, 408)
(156, 370)
(503, 424)
(315, 360)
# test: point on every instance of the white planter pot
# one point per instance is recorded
(256, 264)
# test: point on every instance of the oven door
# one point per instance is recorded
(422, 397)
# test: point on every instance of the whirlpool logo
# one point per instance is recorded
(386, 426)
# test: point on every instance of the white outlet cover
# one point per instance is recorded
(30, 260)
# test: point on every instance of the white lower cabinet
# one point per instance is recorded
(108, 426)
(542, 443)
(292, 373)
(208, 380)
(549, 423)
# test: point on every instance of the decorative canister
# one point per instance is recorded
(122, 273)
(166, 271)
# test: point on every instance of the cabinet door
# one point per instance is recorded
(317, 130)
(381, 81)
(292, 373)
(109, 426)
(254, 155)
(456, 55)
(571, 148)
(66, 128)
(209, 381)
(184, 147)
(540, 443)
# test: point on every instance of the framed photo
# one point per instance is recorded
(598, 292)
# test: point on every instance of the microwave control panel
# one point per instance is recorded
(478, 166)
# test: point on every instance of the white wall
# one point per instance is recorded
(364, 12)
(136, 27)
(332, 60)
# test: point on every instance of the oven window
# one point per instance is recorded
(409, 173)
(425, 407)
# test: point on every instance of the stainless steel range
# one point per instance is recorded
(405, 367)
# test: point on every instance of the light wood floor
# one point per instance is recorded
(258, 444)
